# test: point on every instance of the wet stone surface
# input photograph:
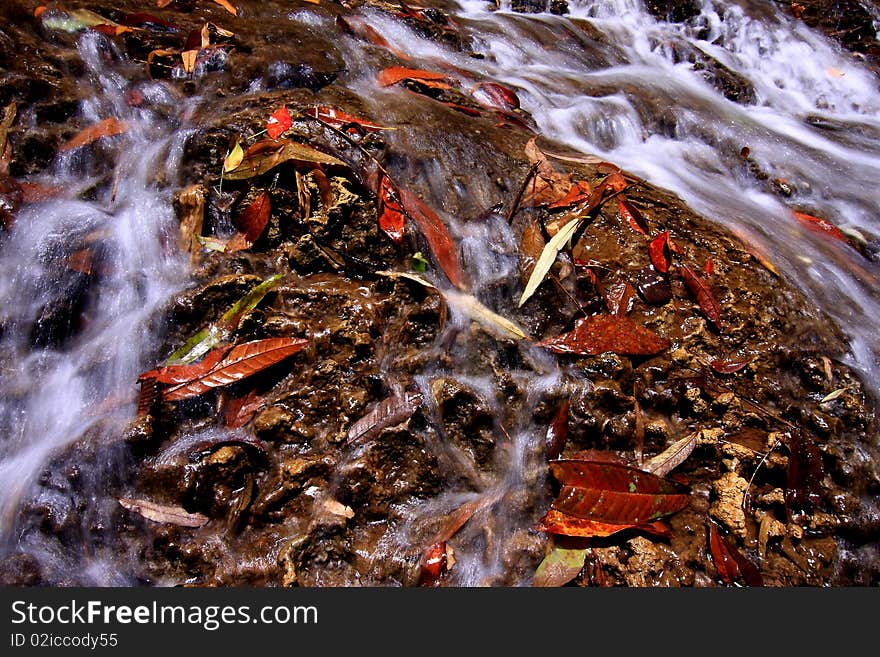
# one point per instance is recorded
(290, 499)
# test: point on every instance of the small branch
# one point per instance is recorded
(522, 190)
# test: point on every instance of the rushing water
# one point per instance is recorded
(630, 97)
(82, 381)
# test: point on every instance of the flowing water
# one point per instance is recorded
(606, 79)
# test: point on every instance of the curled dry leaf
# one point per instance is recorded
(673, 456)
(174, 515)
(601, 333)
(660, 253)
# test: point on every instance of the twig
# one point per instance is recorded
(522, 190)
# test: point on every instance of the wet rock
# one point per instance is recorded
(654, 564)
(674, 11)
(20, 569)
(281, 425)
(467, 419)
(728, 492)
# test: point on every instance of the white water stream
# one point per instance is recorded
(628, 98)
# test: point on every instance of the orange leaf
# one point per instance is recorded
(601, 333)
(228, 7)
(242, 361)
(394, 74)
(109, 127)
(253, 220)
(580, 191)
(819, 225)
(279, 122)
(659, 252)
(435, 232)
(338, 119)
(391, 216)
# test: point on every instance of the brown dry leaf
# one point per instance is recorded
(189, 57)
(174, 515)
(269, 153)
(601, 333)
(673, 456)
(389, 412)
(109, 127)
(192, 215)
(338, 508)
(700, 290)
(548, 185)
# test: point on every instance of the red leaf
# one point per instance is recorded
(803, 486)
(242, 361)
(253, 220)
(729, 562)
(176, 374)
(147, 397)
(279, 122)
(700, 290)
(616, 333)
(109, 127)
(239, 410)
(728, 366)
(633, 217)
(615, 494)
(616, 182)
(709, 268)
(435, 232)
(659, 252)
(359, 27)
(433, 565)
(338, 119)
(470, 111)
(653, 286)
(394, 74)
(497, 96)
(557, 432)
(391, 216)
(819, 225)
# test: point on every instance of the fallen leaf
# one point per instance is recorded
(208, 338)
(233, 158)
(255, 217)
(338, 509)
(279, 122)
(109, 127)
(831, 396)
(700, 290)
(357, 26)
(755, 247)
(579, 192)
(177, 374)
(633, 217)
(598, 334)
(392, 219)
(556, 522)
(728, 366)
(339, 119)
(241, 361)
(547, 185)
(434, 230)
(148, 395)
(189, 58)
(461, 515)
(389, 412)
(497, 96)
(238, 411)
(174, 515)
(557, 432)
(660, 253)
(269, 153)
(619, 298)
(614, 494)
(709, 267)
(395, 74)
(548, 257)
(819, 225)
(806, 470)
(673, 456)
(488, 319)
(729, 562)
(560, 566)
(470, 111)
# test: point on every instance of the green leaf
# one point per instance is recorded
(209, 337)
(548, 257)
(419, 263)
(560, 566)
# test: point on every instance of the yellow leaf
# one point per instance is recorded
(233, 158)
(189, 60)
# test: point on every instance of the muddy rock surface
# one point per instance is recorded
(410, 420)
